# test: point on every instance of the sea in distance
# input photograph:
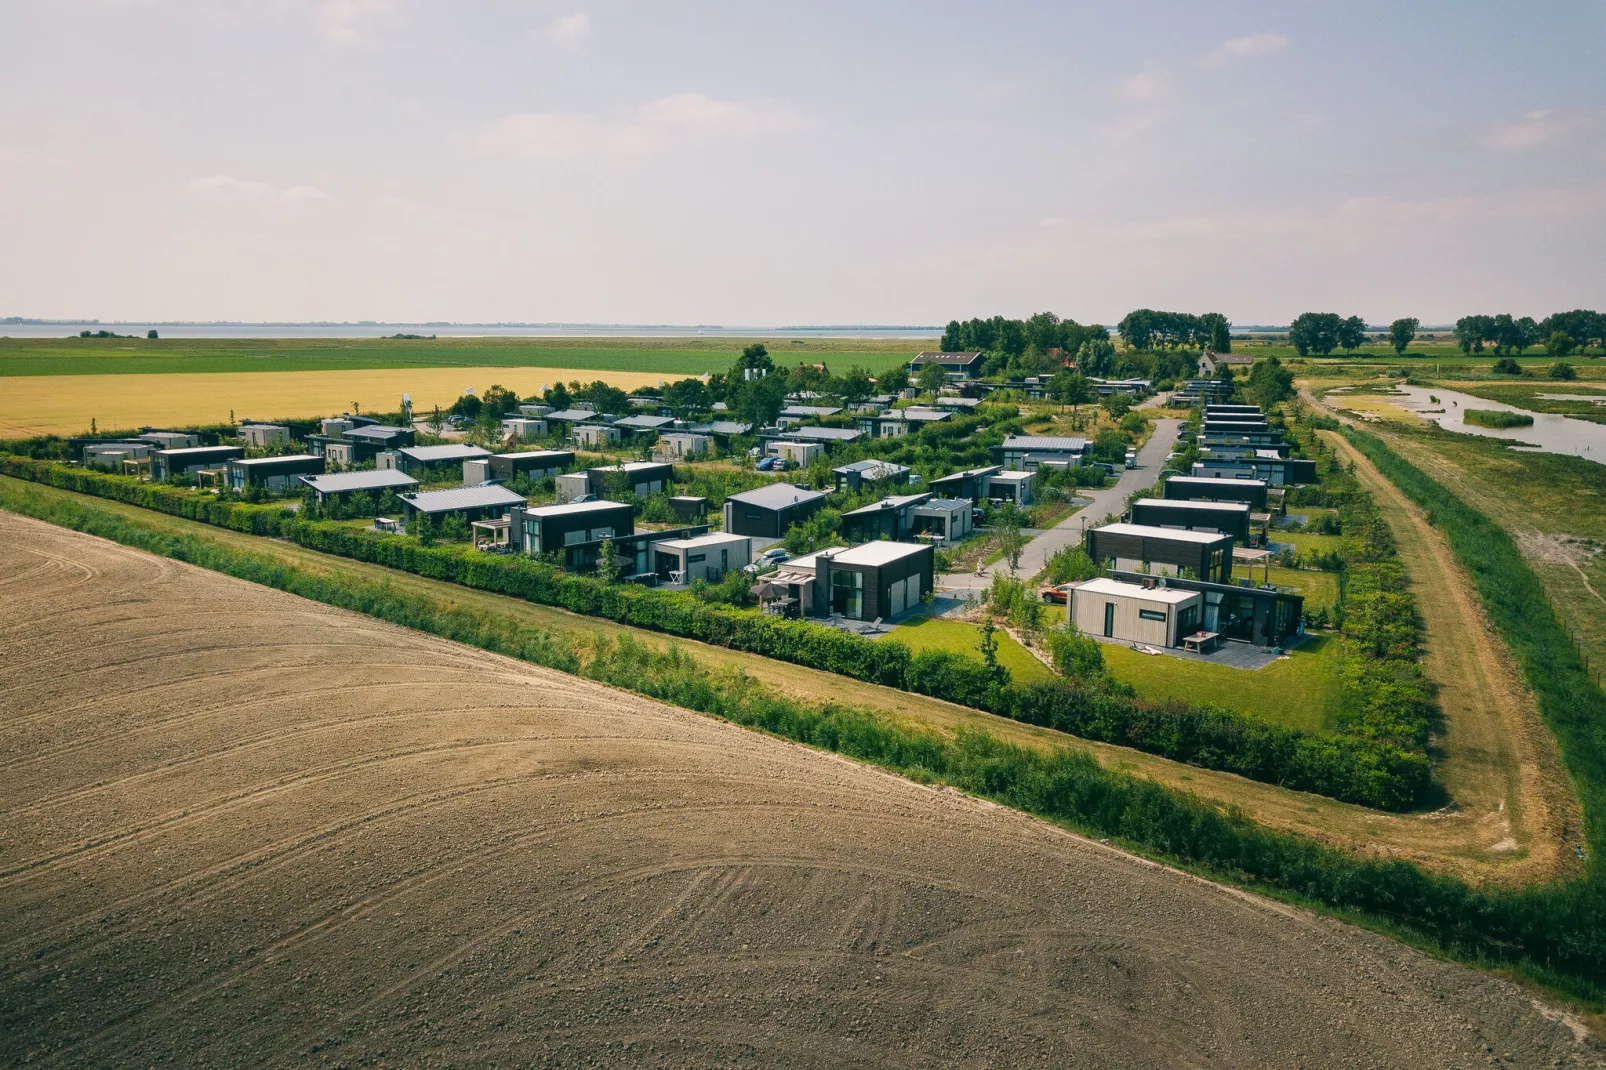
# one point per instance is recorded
(368, 329)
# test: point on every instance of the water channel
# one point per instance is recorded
(1551, 432)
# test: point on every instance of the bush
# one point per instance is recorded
(1075, 654)
(1562, 370)
(1506, 366)
(1497, 418)
(1071, 564)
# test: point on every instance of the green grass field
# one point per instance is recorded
(958, 637)
(1300, 691)
(668, 356)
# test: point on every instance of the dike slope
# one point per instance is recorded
(242, 828)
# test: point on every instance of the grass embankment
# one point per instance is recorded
(1519, 931)
(1303, 690)
(1496, 418)
(1453, 844)
(959, 637)
(1573, 705)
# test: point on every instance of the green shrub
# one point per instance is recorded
(1496, 418)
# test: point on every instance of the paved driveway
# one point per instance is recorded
(1110, 500)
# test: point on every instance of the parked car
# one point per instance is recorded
(1055, 594)
(767, 464)
(584, 498)
(775, 554)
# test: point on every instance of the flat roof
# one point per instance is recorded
(538, 453)
(181, 450)
(631, 466)
(573, 507)
(933, 357)
(989, 470)
(711, 539)
(1184, 503)
(809, 560)
(275, 460)
(1105, 585)
(838, 433)
(486, 494)
(948, 505)
(452, 451)
(892, 502)
(649, 422)
(270, 427)
(810, 410)
(870, 465)
(577, 414)
(375, 430)
(1014, 476)
(339, 482)
(776, 496)
(1150, 531)
(1044, 442)
(724, 427)
(1213, 481)
(878, 553)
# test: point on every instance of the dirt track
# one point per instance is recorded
(243, 828)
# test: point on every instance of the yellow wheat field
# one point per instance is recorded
(64, 404)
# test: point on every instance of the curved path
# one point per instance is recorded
(244, 829)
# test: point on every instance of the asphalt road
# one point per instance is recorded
(1110, 500)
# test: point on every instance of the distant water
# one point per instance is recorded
(1549, 433)
(459, 330)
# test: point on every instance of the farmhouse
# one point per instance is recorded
(272, 473)
(876, 581)
(1134, 612)
(957, 366)
(704, 557)
(888, 518)
(344, 484)
(1212, 363)
(1162, 551)
(1194, 488)
(264, 435)
(1027, 452)
(165, 464)
(971, 483)
(471, 503)
(1231, 518)
(852, 476)
(767, 512)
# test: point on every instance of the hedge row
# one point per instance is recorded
(1373, 773)
(1552, 933)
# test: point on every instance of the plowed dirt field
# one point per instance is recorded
(241, 829)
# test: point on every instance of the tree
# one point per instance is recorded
(423, 526)
(930, 378)
(151, 334)
(557, 395)
(1218, 332)
(758, 401)
(1315, 332)
(1562, 370)
(1269, 383)
(1096, 357)
(1402, 332)
(1559, 344)
(988, 645)
(607, 562)
(894, 382)
(854, 386)
(1472, 331)
(755, 362)
(1352, 334)
(687, 398)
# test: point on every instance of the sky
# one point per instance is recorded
(755, 163)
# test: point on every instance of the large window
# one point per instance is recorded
(1151, 614)
(847, 593)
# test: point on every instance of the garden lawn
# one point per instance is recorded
(958, 637)
(1301, 690)
(1318, 588)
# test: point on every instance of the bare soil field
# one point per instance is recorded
(241, 828)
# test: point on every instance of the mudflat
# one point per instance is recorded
(243, 828)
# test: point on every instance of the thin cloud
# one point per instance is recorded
(1538, 128)
(345, 21)
(1256, 44)
(1145, 86)
(663, 124)
(227, 187)
(570, 29)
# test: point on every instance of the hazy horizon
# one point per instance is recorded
(408, 162)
